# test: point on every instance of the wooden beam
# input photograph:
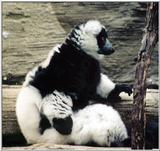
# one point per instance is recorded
(44, 147)
(9, 122)
(11, 132)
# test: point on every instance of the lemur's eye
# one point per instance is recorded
(102, 35)
(103, 39)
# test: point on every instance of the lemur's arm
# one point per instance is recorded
(109, 90)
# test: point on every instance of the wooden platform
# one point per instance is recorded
(13, 137)
(43, 147)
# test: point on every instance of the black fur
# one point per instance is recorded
(124, 143)
(71, 71)
(44, 124)
(114, 94)
(63, 126)
(103, 34)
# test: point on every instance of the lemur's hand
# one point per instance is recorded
(114, 94)
(123, 88)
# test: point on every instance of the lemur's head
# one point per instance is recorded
(91, 38)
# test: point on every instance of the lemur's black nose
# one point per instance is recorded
(109, 51)
(106, 51)
(112, 50)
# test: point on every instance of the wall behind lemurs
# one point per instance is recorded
(34, 28)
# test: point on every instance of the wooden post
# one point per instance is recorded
(149, 41)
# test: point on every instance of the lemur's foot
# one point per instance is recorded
(63, 126)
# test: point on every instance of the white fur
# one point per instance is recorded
(27, 111)
(91, 123)
(93, 26)
(29, 103)
(78, 34)
(56, 105)
(88, 40)
(89, 44)
(52, 136)
(30, 76)
(99, 123)
(105, 86)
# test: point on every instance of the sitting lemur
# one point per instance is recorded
(54, 102)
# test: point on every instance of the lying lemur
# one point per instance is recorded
(53, 104)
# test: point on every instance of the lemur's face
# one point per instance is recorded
(105, 47)
(92, 38)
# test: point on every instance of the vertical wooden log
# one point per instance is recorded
(149, 41)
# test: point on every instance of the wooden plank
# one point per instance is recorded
(9, 122)
(63, 148)
(13, 137)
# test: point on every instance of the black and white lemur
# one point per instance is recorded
(53, 104)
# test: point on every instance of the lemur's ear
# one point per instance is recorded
(76, 27)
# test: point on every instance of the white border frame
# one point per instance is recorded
(69, 1)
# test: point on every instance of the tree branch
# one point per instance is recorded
(149, 41)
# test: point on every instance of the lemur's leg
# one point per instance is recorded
(109, 90)
(57, 108)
